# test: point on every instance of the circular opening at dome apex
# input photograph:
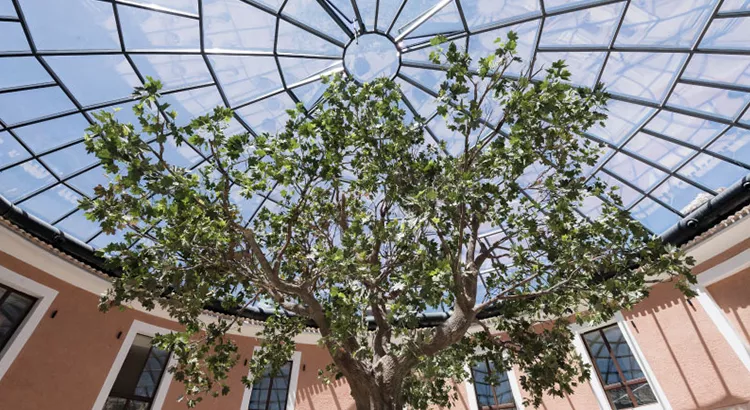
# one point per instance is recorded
(371, 56)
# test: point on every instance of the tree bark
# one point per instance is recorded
(377, 397)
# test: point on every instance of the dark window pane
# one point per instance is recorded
(149, 380)
(271, 392)
(14, 307)
(643, 393)
(115, 403)
(629, 366)
(601, 358)
(620, 398)
(139, 376)
(492, 387)
(615, 374)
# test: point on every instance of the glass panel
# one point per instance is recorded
(7, 9)
(20, 71)
(13, 310)
(10, 150)
(654, 216)
(735, 5)
(601, 358)
(292, 39)
(24, 179)
(174, 71)
(728, 33)
(629, 366)
(695, 131)
(95, 79)
(115, 403)
(310, 13)
(674, 23)
(246, 78)
(591, 26)
(268, 115)
(69, 160)
(152, 371)
(680, 195)
(267, 395)
(192, 103)
(480, 45)
(634, 171)
(712, 172)
(491, 387)
(27, 105)
(446, 20)
(735, 69)
(46, 135)
(186, 6)
(482, 13)
(12, 37)
(709, 100)
(150, 30)
(624, 119)
(628, 195)
(734, 144)
(140, 373)
(643, 393)
(71, 25)
(619, 396)
(130, 372)
(642, 75)
(665, 153)
(235, 25)
(78, 226)
(583, 66)
(53, 203)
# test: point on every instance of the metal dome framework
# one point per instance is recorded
(678, 72)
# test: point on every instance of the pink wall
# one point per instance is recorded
(731, 294)
(689, 357)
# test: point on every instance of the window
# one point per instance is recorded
(271, 392)
(139, 376)
(14, 307)
(621, 376)
(493, 388)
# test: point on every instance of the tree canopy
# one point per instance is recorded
(372, 224)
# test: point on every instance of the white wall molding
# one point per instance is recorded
(136, 328)
(44, 295)
(291, 398)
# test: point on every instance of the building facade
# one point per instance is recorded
(60, 352)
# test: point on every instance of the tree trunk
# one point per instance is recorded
(378, 389)
(377, 398)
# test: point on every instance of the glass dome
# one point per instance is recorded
(678, 72)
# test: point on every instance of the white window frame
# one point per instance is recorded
(514, 389)
(291, 397)
(44, 296)
(596, 384)
(136, 328)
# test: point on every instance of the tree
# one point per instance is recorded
(375, 225)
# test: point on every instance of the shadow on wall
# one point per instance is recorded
(334, 396)
(690, 359)
(731, 294)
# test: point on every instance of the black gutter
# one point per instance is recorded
(700, 220)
